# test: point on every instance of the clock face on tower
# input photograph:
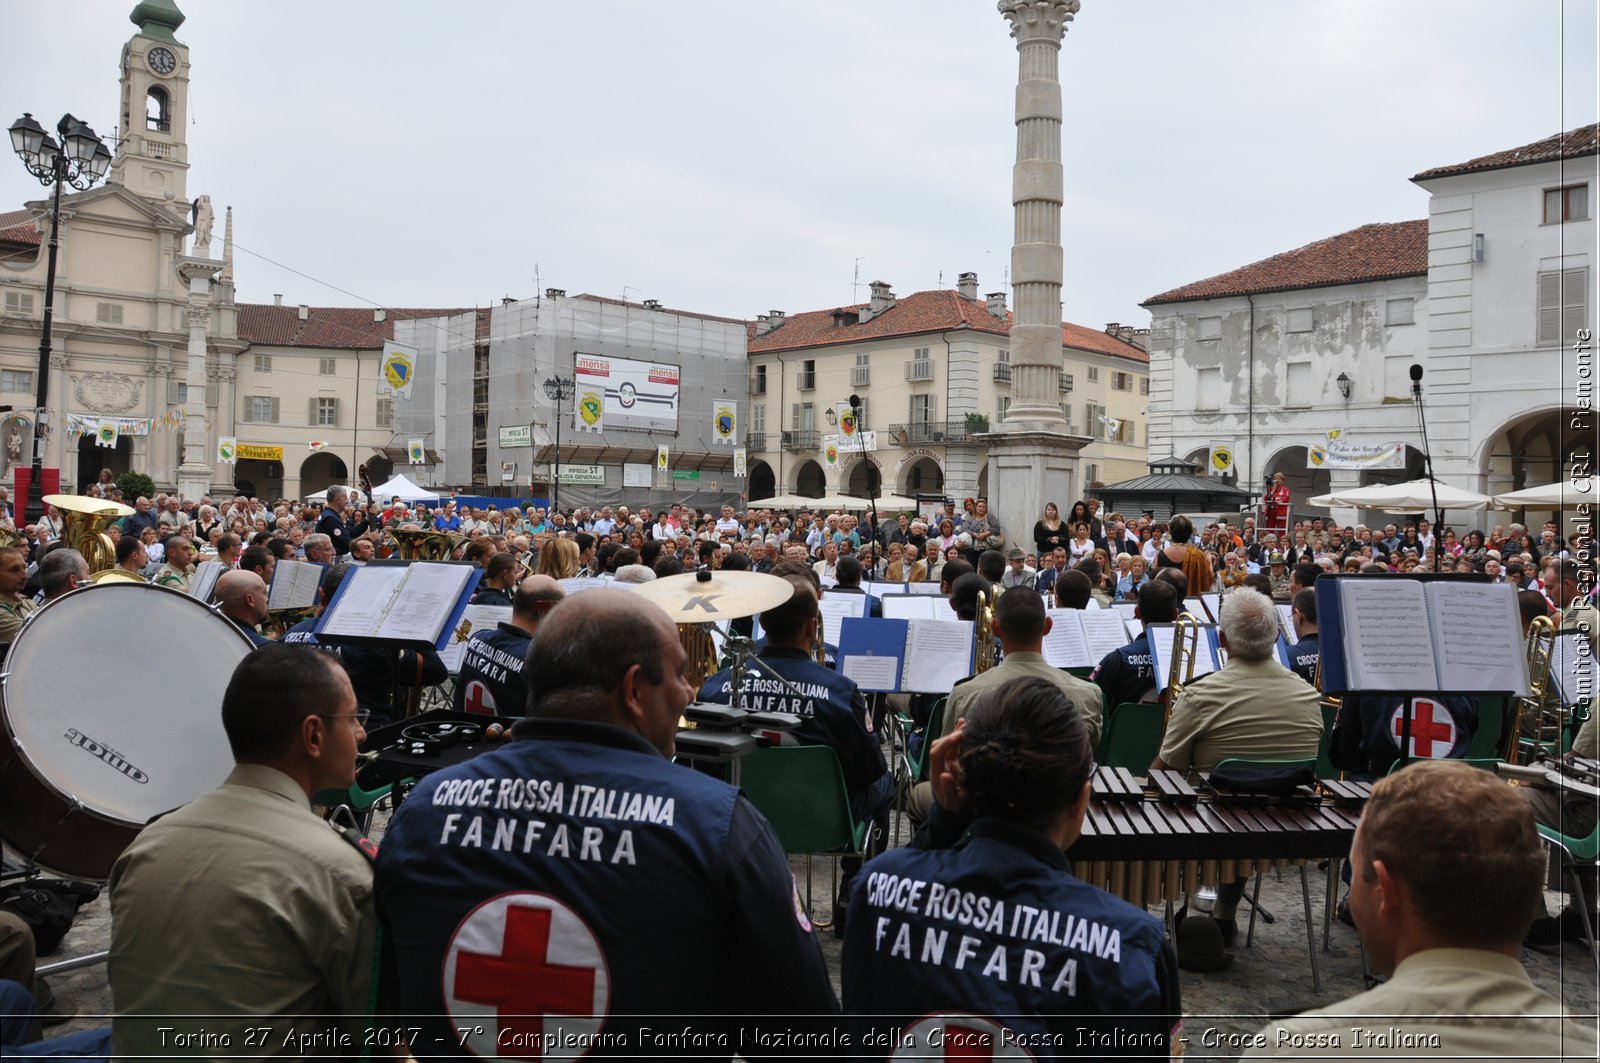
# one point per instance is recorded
(161, 60)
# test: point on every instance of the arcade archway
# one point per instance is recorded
(762, 483)
(320, 471)
(810, 481)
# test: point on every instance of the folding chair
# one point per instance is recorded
(1132, 736)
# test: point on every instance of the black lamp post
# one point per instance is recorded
(558, 389)
(79, 160)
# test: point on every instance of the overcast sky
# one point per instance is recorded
(735, 156)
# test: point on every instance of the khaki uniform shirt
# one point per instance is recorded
(1088, 698)
(1461, 1003)
(240, 905)
(1254, 709)
(13, 611)
(167, 576)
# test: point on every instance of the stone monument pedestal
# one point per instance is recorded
(1026, 470)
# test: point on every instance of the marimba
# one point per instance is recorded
(1155, 838)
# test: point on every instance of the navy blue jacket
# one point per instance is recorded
(576, 871)
(1365, 733)
(998, 927)
(334, 527)
(1127, 672)
(1303, 657)
(831, 709)
(491, 679)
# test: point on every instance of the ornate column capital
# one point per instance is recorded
(197, 316)
(1033, 20)
(58, 360)
(224, 373)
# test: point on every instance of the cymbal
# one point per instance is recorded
(700, 597)
(85, 504)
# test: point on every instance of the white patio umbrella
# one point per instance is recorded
(1563, 495)
(783, 502)
(1405, 497)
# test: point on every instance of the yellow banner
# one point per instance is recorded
(252, 452)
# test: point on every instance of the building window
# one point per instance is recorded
(1005, 355)
(920, 353)
(385, 411)
(922, 409)
(1002, 404)
(1298, 319)
(861, 374)
(808, 375)
(328, 366)
(1208, 388)
(1094, 374)
(178, 393)
(1066, 412)
(263, 363)
(1144, 385)
(260, 409)
(1095, 415)
(1297, 388)
(758, 382)
(16, 381)
(1563, 305)
(1211, 328)
(758, 419)
(19, 303)
(1122, 381)
(1399, 311)
(325, 412)
(1566, 204)
(108, 313)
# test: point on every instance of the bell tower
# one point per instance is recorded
(152, 157)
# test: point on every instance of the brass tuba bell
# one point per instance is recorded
(83, 527)
(418, 544)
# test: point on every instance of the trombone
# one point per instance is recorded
(1545, 723)
(1185, 645)
(985, 634)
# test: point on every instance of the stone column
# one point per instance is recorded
(194, 474)
(1033, 458)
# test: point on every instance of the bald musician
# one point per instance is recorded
(575, 881)
(493, 677)
(242, 597)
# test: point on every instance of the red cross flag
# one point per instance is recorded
(523, 971)
(1433, 729)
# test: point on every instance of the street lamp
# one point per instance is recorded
(80, 159)
(558, 389)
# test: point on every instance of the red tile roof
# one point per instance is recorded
(332, 327)
(1373, 252)
(16, 227)
(919, 313)
(1576, 143)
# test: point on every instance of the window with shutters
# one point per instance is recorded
(325, 412)
(803, 417)
(1094, 414)
(1144, 385)
(19, 304)
(178, 393)
(1122, 381)
(758, 418)
(328, 366)
(1563, 305)
(16, 381)
(1566, 204)
(385, 411)
(1002, 404)
(260, 409)
(263, 363)
(1094, 374)
(108, 313)
(922, 408)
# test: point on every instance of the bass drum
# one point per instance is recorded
(111, 706)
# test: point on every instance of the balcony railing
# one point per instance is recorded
(755, 440)
(1002, 372)
(924, 433)
(802, 439)
(1064, 382)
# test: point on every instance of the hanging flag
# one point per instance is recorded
(725, 422)
(661, 459)
(847, 420)
(316, 445)
(1113, 426)
(227, 450)
(738, 461)
(1221, 463)
(417, 451)
(106, 434)
(589, 409)
(830, 453)
(397, 369)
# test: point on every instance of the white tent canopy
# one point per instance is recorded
(322, 495)
(1559, 496)
(782, 502)
(405, 489)
(1406, 497)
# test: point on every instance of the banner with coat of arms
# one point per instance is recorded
(589, 408)
(1221, 463)
(725, 422)
(417, 451)
(397, 369)
(1336, 452)
(227, 450)
(847, 420)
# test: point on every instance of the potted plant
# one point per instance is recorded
(977, 422)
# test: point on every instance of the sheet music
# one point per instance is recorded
(915, 607)
(1196, 607)
(1134, 626)
(1104, 633)
(938, 654)
(924, 588)
(294, 584)
(205, 579)
(579, 584)
(1161, 639)
(871, 672)
(424, 601)
(1065, 645)
(1572, 667)
(1125, 610)
(834, 608)
(1286, 621)
(1477, 629)
(1213, 604)
(367, 594)
(1388, 644)
(452, 655)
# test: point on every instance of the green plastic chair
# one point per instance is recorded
(1325, 768)
(1132, 734)
(1305, 882)
(1575, 853)
(801, 792)
(1486, 740)
(359, 802)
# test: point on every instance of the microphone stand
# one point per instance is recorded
(1427, 463)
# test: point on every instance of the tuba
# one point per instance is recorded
(83, 527)
(418, 544)
(701, 650)
(1533, 722)
(1185, 644)
(985, 635)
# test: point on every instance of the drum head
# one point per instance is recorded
(113, 696)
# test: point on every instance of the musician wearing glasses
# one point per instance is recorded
(1447, 872)
(1254, 708)
(244, 904)
(996, 927)
(575, 878)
